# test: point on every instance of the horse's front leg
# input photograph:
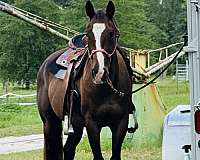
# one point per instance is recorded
(119, 130)
(93, 132)
(52, 139)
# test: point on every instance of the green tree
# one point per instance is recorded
(23, 46)
(63, 2)
(136, 30)
(170, 17)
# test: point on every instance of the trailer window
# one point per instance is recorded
(179, 119)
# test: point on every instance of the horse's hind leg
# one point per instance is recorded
(119, 130)
(73, 139)
(52, 139)
(52, 127)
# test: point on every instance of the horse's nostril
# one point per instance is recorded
(105, 70)
(104, 78)
(99, 76)
(93, 73)
(95, 70)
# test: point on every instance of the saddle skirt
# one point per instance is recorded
(69, 56)
(61, 69)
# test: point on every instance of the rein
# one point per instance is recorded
(148, 83)
(116, 91)
(122, 94)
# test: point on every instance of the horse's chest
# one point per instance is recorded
(107, 112)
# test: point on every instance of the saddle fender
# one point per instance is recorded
(57, 91)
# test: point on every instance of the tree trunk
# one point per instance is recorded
(27, 84)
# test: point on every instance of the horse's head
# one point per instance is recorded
(102, 36)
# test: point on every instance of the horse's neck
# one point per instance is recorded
(117, 71)
(122, 80)
(114, 68)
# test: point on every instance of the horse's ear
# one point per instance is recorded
(89, 9)
(110, 10)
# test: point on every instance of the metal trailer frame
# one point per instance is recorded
(193, 49)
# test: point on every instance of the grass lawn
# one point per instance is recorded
(18, 120)
(173, 93)
(81, 155)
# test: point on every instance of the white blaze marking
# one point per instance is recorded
(97, 30)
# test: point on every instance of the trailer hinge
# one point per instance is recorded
(197, 106)
(194, 1)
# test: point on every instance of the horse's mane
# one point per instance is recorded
(122, 51)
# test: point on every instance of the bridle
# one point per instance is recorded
(94, 51)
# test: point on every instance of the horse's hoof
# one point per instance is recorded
(70, 130)
(133, 124)
(65, 131)
(131, 130)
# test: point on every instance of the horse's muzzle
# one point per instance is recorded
(99, 77)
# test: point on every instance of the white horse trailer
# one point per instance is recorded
(193, 49)
(176, 133)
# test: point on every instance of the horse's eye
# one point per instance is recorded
(90, 35)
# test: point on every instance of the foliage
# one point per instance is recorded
(136, 31)
(63, 2)
(8, 1)
(170, 17)
(24, 47)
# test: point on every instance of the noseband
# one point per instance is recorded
(103, 51)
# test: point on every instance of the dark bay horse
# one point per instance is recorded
(99, 106)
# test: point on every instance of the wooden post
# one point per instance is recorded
(160, 57)
(130, 58)
(6, 90)
(148, 59)
(166, 53)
